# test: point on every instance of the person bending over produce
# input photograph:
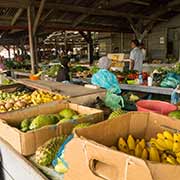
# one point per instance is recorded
(104, 78)
(63, 73)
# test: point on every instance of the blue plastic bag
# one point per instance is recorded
(60, 154)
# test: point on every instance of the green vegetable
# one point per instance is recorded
(43, 120)
(67, 113)
(25, 125)
(174, 114)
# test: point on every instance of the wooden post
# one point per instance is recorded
(90, 52)
(9, 53)
(90, 48)
(122, 41)
(65, 42)
(31, 39)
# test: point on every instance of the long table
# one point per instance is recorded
(147, 89)
(16, 167)
(70, 90)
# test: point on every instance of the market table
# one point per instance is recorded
(71, 90)
(16, 167)
(147, 89)
(21, 74)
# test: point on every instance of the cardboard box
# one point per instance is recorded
(27, 143)
(89, 157)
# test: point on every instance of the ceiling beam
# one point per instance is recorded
(84, 16)
(140, 2)
(115, 3)
(97, 28)
(37, 18)
(76, 2)
(14, 3)
(6, 19)
(162, 10)
(17, 15)
(94, 11)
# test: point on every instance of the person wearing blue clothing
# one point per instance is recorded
(104, 78)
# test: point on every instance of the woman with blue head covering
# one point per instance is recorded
(104, 78)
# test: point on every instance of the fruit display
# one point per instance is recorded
(39, 121)
(10, 101)
(165, 148)
(7, 81)
(47, 152)
(82, 125)
(52, 71)
(116, 113)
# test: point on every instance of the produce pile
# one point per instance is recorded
(46, 153)
(83, 72)
(7, 81)
(10, 101)
(165, 148)
(127, 76)
(52, 71)
(167, 76)
(64, 115)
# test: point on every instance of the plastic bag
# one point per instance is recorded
(170, 82)
(113, 101)
(175, 96)
(59, 159)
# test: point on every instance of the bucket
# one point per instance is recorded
(159, 107)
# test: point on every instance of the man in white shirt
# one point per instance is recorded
(136, 57)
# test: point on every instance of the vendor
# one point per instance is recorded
(104, 78)
(136, 57)
(63, 73)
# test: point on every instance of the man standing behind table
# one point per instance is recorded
(136, 57)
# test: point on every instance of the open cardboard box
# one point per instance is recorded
(27, 143)
(89, 157)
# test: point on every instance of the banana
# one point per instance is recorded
(152, 142)
(144, 154)
(160, 136)
(138, 150)
(163, 158)
(137, 141)
(142, 143)
(178, 154)
(131, 142)
(170, 159)
(160, 144)
(178, 160)
(168, 135)
(176, 147)
(169, 144)
(176, 137)
(154, 154)
(122, 145)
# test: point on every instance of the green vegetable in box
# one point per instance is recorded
(43, 120)
(67, 113)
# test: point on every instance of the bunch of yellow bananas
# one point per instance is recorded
(165, 148)
(133, 147)
(40, 97)
(168, 145)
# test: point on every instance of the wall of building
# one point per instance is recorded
(115, 42)
(170, 31)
